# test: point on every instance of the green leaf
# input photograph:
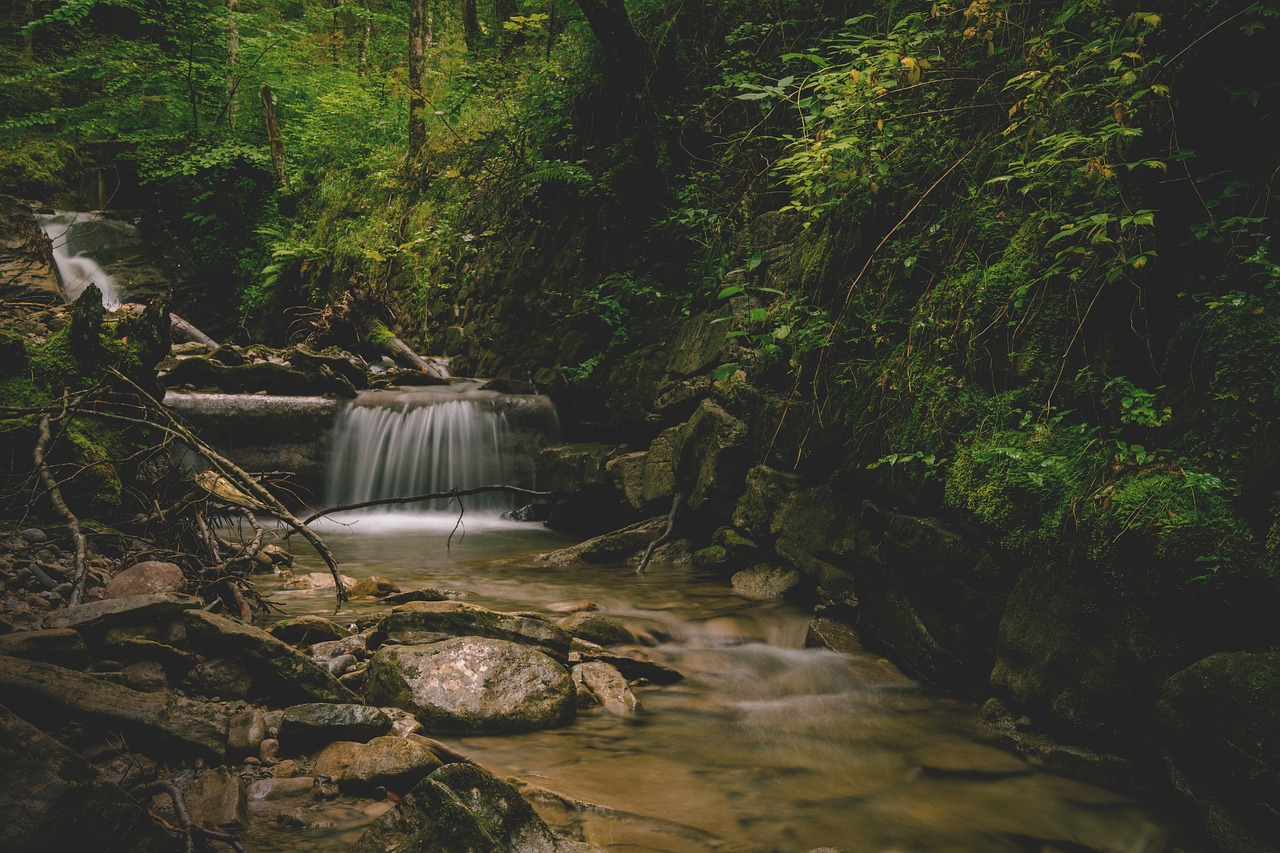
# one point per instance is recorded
(731, 290)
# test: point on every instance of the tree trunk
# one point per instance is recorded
(366, 36)
(503, 10)
(233, 60)
(417, 75)
(624, 54)
(470, 24)
(274, 139)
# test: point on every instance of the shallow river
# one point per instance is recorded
(765, 746)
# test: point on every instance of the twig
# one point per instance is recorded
(55, 498)
(448, 545)
(666, 534)
(434, 496)
(189, 829)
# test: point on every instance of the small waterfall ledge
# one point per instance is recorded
(416, 441)
(76, 237)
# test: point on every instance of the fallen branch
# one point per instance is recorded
(185, 825)
(434, 496)
(237, 475)
(55, 498)
(666, 534)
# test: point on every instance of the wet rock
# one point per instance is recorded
(280, 789)
(428, 594)
(432, 621)
(52, 800)
(269, 752)
(626, 543)
(1222, 716)
(151, 723)
(58, 646)
(278, 669)
(825, 633)
(608, 686)
(464, 807)
(93, 618)
(633, 665)
(225, 679)
(572, 607)
(596, 628)
(356, 645)
(766, 491)
(765, 581)
(307, 630)
(390, 762)
(316, 581)
(214, 798)
(147, 676)
(373, 587)
(339, 665)
(288, 769)
(969, 760)
(150, 577)
(472, 684)
(245, 733)
(309, 726)
(403, 723)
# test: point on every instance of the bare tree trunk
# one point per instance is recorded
(625, 58)
(366, 36)
(417, 75)
(503, 10)
(274, 138)
(470, 24)
(233, 60)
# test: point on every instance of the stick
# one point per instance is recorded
(189, 829)
(453, 493)
(666, 534)
(55, 498)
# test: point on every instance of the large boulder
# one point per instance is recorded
(150, 577)
(52, 800)
(397, 763)
(94, 618)
(472, 684)
(464, 807)
(433, 621)
(1222, 717)
(597, 628)
(608, 686)
(307, 630)
(153, 724)
(58, 646)
(703, 459)
(278, 669)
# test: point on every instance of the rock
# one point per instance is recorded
(767, 490)
(93, 618)
(597, 629)
(355, 645)
(831, 634)
(608, 686)
(150, 577)
(176, 662)
(278, 669)
(204, 372)
(339, 665)
(288, 769)
(147, 676)
(269, 751)
(572, 606)
(1222, 717)
(317, 581)
(623, 544)
(33, 535)
(969, 760)
(391, 762)
(464, 807)
(129, 770)
(403, 723)
(427, 594)
(373, 587)
(765, 581)
(245, 733)
(472, 684)
(152, 724)
(307, 727)
(277, 555)
(59, 646)
(432, 621)
(280, 789)
(307, 630)
(213, 798)
(52, 800)
(225, 679)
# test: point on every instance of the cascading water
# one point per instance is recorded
(421, 441)
(76, 237)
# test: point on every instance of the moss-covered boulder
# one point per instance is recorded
(1221, 716)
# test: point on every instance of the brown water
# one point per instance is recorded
(765, 746)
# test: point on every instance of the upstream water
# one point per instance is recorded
(77, 236)
(764, 746)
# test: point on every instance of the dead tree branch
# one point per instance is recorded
(186, 826)
(666, 534)
(55, 498)
(454, 493)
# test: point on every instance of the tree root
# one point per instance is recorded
(666, 534)
(190, 830)
(60, 505)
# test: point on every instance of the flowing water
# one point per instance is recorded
(764, 746)
(76, 237)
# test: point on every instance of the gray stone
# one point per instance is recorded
(633, 664)
(356, 644)
(306, 727)
(95, 617)
(280, 789)
(147, 676)
(58, 646)
(432, 621)
(221, 678)
(150, 577)
(278, 669)
(307, 630)
(245, 733)
(338, 666)
(464, 807)
(765, 581)
(151, 723)
(33, 535)
(316, 581)
(608, 686)
(52, 800)
(472, 684)
(596, 628)
(391, 762)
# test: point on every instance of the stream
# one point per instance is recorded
(764, 746)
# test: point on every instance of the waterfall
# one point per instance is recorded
(76, 237)
(397, 444)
